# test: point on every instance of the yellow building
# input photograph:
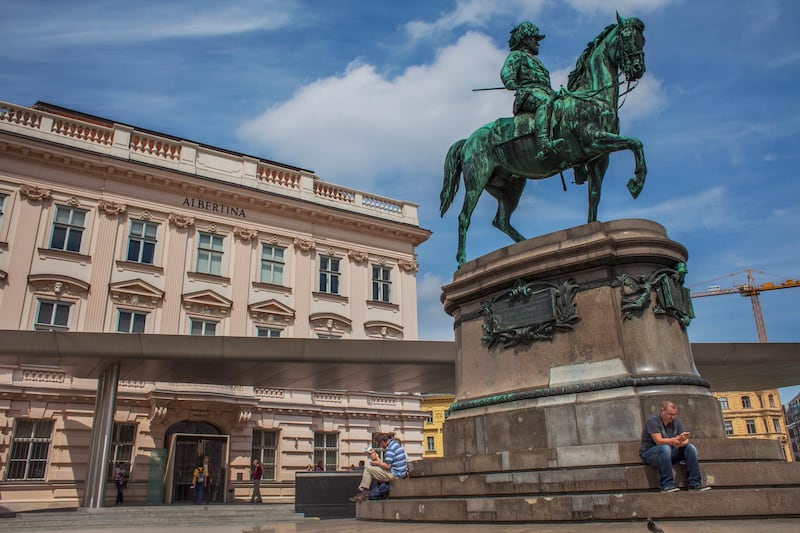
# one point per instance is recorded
(436, 406)
(754, 415)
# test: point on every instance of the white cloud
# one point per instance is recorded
(106, 22)
(359, 125)
(626, 8)
(710, 209)
(472, 14)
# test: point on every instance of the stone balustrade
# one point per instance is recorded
(127, 143)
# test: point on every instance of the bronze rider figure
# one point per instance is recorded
(524, 73)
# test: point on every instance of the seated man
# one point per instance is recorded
(664, 443)
(394, 466)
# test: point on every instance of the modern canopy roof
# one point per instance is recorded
(364, 365)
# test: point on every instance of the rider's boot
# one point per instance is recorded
(548, 146)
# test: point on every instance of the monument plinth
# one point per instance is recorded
(561, 343)
(565, 343)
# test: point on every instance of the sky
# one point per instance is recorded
(370, 95)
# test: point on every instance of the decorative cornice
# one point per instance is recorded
(181, 221)
(34, 194)
(577, 388)
(387, 330)
(111, 209)
(43, 376)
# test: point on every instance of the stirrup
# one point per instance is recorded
(549, 149)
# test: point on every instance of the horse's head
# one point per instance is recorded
(630, 44)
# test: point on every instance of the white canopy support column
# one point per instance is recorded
(102, 427)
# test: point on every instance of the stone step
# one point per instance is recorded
(593, 479)
(718, 503)
(147, 516)
(623, 453)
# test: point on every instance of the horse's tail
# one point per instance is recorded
(452, 175)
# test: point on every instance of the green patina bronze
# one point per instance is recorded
(529, 312)
(672, 298)
(500, 156)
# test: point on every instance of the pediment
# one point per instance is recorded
(135, 292)
(271, 311)
(58, 284)
(206, 302)
(383, 329)
(329, 322)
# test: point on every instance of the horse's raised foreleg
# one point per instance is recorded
(611, 142)
(507, 194)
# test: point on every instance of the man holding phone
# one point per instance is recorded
(664, 443)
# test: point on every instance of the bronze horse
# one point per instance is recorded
(585, 116)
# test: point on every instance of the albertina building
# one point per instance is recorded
(108, 228)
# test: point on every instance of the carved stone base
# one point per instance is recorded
(573, 338)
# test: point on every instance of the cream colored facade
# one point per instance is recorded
(436, 406)
(755, 415)
(108, 228)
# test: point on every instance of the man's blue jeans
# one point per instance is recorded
(664, 456)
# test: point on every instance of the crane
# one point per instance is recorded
(752, 290)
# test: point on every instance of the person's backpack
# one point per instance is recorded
(379, 490)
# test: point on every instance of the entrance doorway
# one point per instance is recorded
(185, 451)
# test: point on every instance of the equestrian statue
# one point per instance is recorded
(574, 128)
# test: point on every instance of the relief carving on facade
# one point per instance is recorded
(74, 202)
(408, 266)
(58, 285)
(137, 293)
(158, 411)
(384, 330)
(358, 256)
(181, 221)
(111, 209)
(304, 245)
(244, 234)
(34, 194)
(206, 303)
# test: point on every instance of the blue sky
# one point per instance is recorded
(371, 94)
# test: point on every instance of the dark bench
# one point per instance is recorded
(325, 494)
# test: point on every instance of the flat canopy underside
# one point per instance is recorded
(362, 365)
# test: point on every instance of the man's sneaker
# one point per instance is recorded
(670, 488)
(360, 497)
(699, 488)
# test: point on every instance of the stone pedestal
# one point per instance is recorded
(565, 343)
(601, 371)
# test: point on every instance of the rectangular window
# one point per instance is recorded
(131, 321)
(723, 402)
(68, 226)
(751, 426)
(728, 427)
(771, 400)
(326, 450)
(30, 446)
(265, 447)
(2, 208)
(272, 264)
(209, 254)
(381, 283)
(206, 328)
(123, 439)
(746, 402)
(142, 242)
(429, 420)
(328, 274)
(268, 332)
(52, 316)
(776, 424)
(431, 444)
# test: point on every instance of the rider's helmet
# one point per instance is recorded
(522, 31)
